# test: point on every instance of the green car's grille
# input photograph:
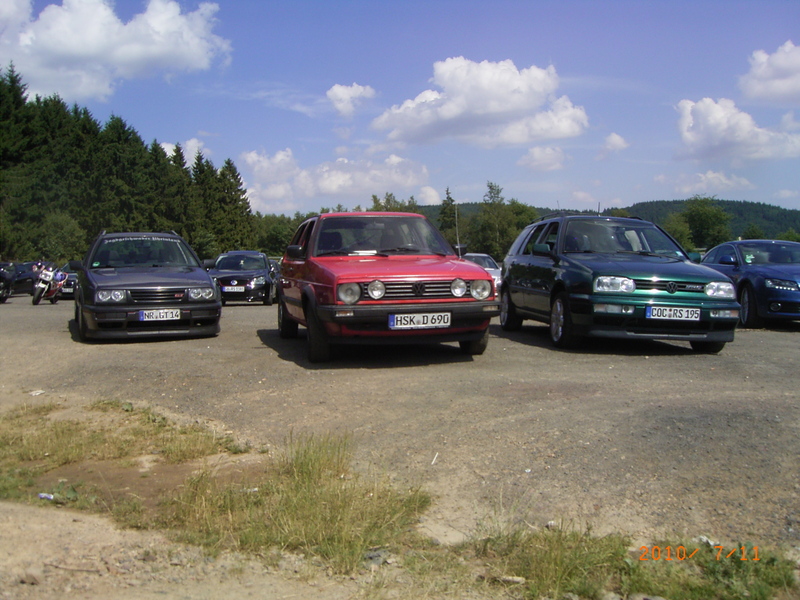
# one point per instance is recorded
(670, 286)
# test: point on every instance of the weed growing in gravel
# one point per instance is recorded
(307, 500)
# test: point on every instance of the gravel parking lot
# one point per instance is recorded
(642, 438)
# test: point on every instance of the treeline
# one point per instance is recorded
(64, 177)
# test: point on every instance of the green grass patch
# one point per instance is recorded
(307, 500)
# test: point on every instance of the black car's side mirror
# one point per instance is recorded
(694, 256)
(209, 263)
(541, 249)
(76, 265)
(728, 260)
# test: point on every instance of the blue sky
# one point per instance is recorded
(570, 104)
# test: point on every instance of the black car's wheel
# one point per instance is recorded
(475, 347)
(287, 328)
(319, 348)
(37, 295)
(748, 316)
(561, 331)
(707, 347)
(83, 331)
(509, 320)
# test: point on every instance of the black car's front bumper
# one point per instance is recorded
(120, 322)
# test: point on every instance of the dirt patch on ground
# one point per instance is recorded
(642, 439)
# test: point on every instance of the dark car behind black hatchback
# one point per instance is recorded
(244, 276)
(144, 284)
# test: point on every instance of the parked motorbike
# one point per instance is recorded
(6, 282)
(48, 285)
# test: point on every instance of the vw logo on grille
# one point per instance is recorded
(672, 287)
(233, 282)
(418, 288)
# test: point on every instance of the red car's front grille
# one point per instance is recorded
(414, 290)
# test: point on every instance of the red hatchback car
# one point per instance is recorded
(381, 278)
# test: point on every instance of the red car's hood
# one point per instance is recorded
(406, 268)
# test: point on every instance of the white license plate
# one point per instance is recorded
(673, 313)
(419, 321)
(164, 314)
(232, 288)
(68, 290)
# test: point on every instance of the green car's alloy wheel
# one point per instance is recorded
(561, 332)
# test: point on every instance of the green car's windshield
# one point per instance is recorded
(378, 235)
(136, 251)
(612, 236)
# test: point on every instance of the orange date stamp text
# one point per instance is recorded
(681, 553)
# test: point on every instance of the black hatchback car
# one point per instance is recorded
(614, 278)
(144, 284)
(244, 276)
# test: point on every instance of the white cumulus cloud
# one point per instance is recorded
(774, 77)
(718, 129)
(81, 49)
(487, 104)
(542, 158)
(279, 184)
(345, 98)
(710, 182)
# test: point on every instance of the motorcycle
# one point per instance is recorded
(48, 285)
(6, 283)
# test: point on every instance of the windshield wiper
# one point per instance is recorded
(646, 253)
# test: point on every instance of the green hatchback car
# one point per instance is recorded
(615, 278)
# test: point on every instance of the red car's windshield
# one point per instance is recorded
(377, 235)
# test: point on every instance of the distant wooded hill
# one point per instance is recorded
(772, 220)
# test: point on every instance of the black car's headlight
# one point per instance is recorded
(260, 280)
(106, 296)
(200, 294)
(480, 289)
(782, 284)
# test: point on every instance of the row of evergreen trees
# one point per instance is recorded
(64, 177)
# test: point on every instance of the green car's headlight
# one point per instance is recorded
(606, 283)
(720, 289)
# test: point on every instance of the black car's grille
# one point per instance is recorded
(413, 290)
(158, 296)
(670, 286)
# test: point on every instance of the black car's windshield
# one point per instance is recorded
(378, 235)
(605, 235)
(754, 253)
(239, 262)
(136, 251)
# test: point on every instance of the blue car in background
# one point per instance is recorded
(767, 278)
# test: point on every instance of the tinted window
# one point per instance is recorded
(155, 251)
(359, 234)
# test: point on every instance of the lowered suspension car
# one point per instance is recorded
(144, 284)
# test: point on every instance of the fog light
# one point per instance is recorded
(724, 314)
(614, 309)
(343, 313)
(775, 307)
